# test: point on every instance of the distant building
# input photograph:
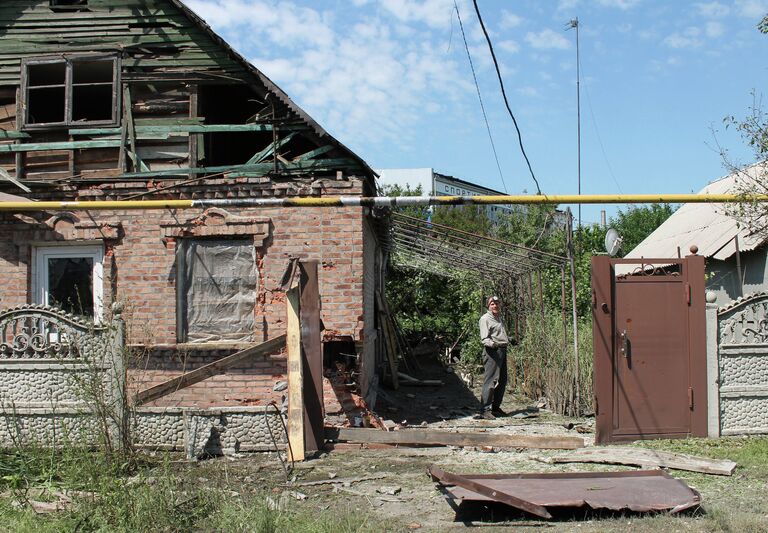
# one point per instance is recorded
(435, 184)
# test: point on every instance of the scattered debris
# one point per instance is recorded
(538, 494)
(645, 457)
(392, 491)
(414, 382)
(280, 386)
(428, 437)
(341, 481)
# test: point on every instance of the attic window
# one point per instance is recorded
(70, 91)
(69, 5)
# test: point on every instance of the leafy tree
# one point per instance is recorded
(637, 222)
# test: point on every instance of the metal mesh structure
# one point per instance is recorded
(445, 251)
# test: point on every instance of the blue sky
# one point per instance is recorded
(391, 80)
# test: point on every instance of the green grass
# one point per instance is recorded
(145, 496)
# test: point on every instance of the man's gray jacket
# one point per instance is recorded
(492, 332)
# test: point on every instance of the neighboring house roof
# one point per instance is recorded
(704, 225)
(270, 85)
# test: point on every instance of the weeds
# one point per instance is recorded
(545, 365)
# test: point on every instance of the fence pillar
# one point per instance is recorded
(713, 373)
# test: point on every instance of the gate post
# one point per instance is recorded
(713, 374)
(119, 396)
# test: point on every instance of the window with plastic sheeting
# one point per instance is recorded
(218, 282)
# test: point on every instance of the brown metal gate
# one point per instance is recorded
(649, 348)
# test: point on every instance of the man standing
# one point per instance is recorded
(495, 340)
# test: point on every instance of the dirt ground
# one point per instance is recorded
(389, 489)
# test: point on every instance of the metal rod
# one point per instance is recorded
(738, 266)
(382, 201)
(572, 259)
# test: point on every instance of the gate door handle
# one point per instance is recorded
(624, 343)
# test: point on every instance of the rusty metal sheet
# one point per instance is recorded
(639, 491)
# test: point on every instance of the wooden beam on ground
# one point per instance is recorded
(430, 437)
(645, 457)
(211, 369)
(295, 377)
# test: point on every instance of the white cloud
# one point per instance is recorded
(712, 9)
(509, 46)
(547, 40)
(565, 5)
(752, 8)
(714, 29)
(528, 91)
(620, 4)
(433, 13)
(509, 20)
(689, 38)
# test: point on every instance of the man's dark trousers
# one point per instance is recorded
(495, 378)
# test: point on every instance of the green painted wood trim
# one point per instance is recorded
(259, 169)
(72, 145)
(12, 134)
(314, 153)
(188, 128)
(269, 150)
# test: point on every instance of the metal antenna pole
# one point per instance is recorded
(575, 24)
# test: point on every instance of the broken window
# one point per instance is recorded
(70, 91)
(71, 278)
(218, 281)
(69, 5)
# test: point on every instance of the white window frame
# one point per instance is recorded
(40, 275)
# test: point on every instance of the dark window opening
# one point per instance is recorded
(219, 104)
(70, 284)
(70, 91)
(340, 357)
(69, 5)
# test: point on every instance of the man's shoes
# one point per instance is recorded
(487, 415)
(498, 412)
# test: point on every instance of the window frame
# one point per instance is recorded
(182, 325)
(94, 251)
(69, 60)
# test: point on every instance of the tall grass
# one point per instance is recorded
(545, 366)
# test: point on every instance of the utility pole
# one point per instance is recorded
(575, 24)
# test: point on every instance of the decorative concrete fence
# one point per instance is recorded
(61, 379)
(738, 366)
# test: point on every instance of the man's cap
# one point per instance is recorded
(493, 299)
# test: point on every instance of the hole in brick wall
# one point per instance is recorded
(340, 355)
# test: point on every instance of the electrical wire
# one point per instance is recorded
(479, 97)
(504, 94)
(599, 139)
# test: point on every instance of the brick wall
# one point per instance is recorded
(140, 270)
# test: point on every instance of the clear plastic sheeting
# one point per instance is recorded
(219, 286)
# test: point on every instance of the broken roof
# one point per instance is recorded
(706, 226)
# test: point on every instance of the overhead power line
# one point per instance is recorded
(479, 97)
(504, 94)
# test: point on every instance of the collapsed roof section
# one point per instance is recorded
(450, 252)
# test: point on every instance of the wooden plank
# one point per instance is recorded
(429, 437)
(270, 149)
(314, 153)
(184, 128)
(211, 369)
(6, 176)
(295, 377)
(645, 457)
(9, 134)
(71, 145)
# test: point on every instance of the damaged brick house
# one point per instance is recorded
(140, 99)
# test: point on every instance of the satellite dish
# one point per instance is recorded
(612, 242)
